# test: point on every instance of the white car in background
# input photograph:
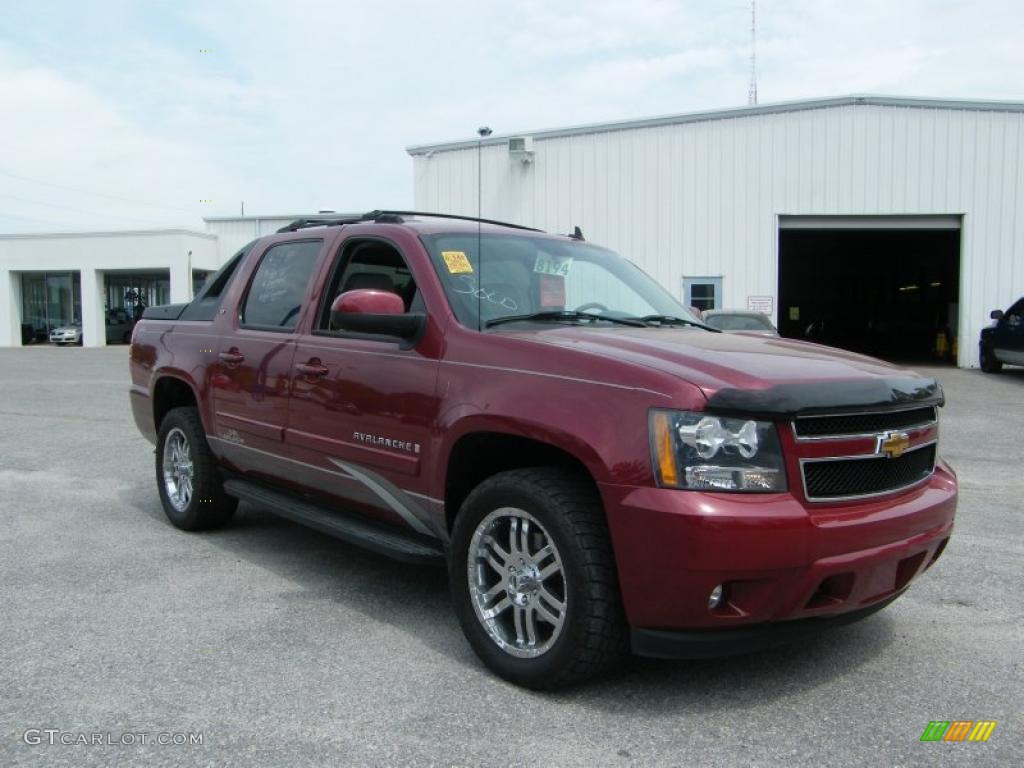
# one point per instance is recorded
(739, 320)
(119, 329)
(67, 334)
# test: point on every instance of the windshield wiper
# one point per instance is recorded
(673, 320)
(556, 315)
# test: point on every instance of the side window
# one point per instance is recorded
(279, 286)
(368, 264)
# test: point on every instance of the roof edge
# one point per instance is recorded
(980, 105)
(106, 233)
(262, 217)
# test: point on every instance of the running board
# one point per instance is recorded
(409, 548)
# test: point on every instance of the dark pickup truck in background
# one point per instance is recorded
(1002, 343)
(598, 470)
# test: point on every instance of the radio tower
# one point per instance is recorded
(752, 91)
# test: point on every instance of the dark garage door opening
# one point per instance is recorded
(884, 292)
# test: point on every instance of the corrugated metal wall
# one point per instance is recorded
(703, 198)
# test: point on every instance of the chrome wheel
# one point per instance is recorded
(517, 582)
(177, 469)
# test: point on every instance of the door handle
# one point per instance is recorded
(313, 368)
(231, 357)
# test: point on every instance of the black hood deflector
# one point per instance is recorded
(785, 401)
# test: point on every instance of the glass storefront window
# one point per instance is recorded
(50, 300)
(33, 305)
(133, 292)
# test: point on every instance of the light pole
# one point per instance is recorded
(483, 132)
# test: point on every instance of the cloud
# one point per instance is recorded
(310, 104)
(916, 47)
(59, 133)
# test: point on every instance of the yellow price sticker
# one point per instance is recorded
(457, 262)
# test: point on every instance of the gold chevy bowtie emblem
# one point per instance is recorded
(893, 444)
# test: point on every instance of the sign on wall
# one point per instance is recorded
(763, 304)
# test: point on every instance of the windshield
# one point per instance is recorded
(739, 322)
(523, 275)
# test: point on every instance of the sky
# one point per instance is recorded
(136, 115)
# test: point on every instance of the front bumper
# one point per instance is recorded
(709, 644)
(779, 559)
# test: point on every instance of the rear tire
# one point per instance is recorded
(533, 578)
(187, 474)
(987, 359)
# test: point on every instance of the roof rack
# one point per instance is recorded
(387, 217)
(396, 217)
(325, 221)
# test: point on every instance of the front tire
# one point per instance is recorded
(533, 578)
(987, 359)
(187, 476)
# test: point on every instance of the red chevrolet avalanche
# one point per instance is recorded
(598, 470)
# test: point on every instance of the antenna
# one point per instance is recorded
(483, 132)
(752, 91)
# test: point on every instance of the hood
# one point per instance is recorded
(747, 373)
(66, 328)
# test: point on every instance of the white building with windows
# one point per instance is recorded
(94, 279)
(873, 223)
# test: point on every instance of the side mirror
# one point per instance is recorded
(996, 314)
(380, 312)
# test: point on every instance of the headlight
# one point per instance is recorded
(699, 451)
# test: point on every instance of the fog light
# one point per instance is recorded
(715, 598)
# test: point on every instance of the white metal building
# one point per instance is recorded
(232, 232)
(868, 222)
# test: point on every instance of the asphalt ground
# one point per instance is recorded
(283, 647)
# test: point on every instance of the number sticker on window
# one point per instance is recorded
(457, 262)
(552, 265)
